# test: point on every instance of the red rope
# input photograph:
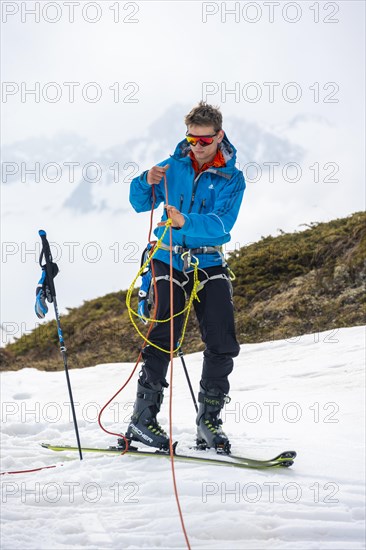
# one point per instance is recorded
(33, 470)
(144, 344)
(172, 347)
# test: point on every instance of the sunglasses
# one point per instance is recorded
(202, 140)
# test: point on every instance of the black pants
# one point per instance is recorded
(215, 314)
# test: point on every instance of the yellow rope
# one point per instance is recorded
(186, 310)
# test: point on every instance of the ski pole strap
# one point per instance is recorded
(51, 266)
(43, 293)
(45, 289)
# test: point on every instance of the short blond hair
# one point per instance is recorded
(205, 115)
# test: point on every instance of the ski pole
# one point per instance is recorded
(51, 272)
(180, 354)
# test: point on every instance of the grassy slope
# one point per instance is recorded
(306, 281)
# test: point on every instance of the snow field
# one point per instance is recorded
(305, 394)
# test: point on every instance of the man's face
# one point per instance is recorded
(207, 153)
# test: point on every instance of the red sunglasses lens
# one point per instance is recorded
(203, 141)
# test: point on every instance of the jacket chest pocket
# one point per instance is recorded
(201, 205)
(206, 202)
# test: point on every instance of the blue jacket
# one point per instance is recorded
(210, 202)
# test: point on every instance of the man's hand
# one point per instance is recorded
(177, 218)
(156, 173)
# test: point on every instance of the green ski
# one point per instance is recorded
(283, 460)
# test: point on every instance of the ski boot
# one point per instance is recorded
(143, 425)
(209, 425)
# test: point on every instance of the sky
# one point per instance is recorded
(113, 82)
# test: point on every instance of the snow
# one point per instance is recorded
(305, 394)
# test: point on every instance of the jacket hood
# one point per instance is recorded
(228, 150)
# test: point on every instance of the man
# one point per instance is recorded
(205, 191)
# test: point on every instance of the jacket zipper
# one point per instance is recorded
(194, 189)
(195, 183)
(202, 206)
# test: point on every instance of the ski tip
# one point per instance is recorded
(291, 454)
(286, 455)
(285, 464)
(42, 233)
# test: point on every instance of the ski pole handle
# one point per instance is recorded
(49, 260)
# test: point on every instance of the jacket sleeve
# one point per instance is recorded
(141, 195)
(220, 221)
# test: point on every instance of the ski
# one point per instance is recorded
(285, 455)
(281, 461)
